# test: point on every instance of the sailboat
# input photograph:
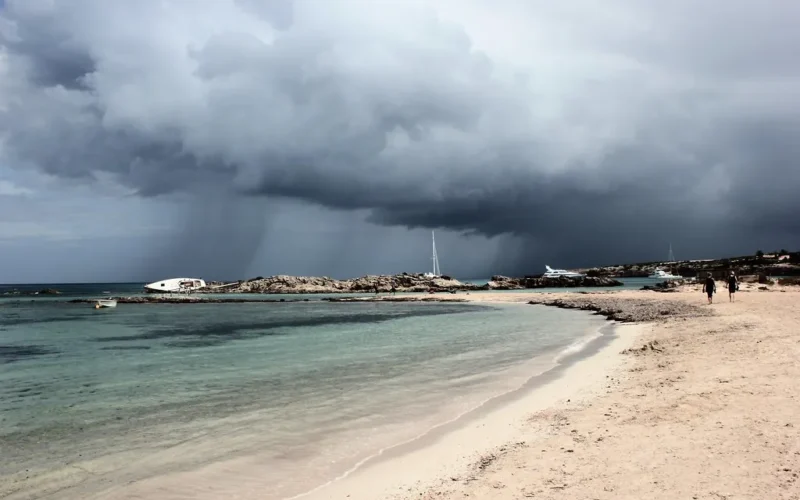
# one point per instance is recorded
(664, 275)
(435, 258)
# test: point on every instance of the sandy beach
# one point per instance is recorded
(699, 402)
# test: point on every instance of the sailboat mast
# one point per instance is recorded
(671, 259)
(434, 257)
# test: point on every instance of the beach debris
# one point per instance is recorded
(485, 461)
(648, 347)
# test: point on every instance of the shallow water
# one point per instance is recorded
(307, 388)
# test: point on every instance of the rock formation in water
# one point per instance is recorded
(364, 284)
(400, 283)
(528, 282)
(44, 291)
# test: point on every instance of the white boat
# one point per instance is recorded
(175, 285)
(660, 274)
(561, 273)
(435, 258)
(103, 303)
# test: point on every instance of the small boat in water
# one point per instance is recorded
(660, 274)
(104, 303)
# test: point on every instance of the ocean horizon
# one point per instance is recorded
(308, 389)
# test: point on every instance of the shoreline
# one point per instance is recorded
(383, 473)
(454, 450)
(520, 450)
(535, 362)
(704, 409)
(563, 362)
(218, 478)
(213, 300)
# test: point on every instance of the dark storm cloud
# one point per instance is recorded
(608, 131)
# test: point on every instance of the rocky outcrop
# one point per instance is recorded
(666, 286)
(777, 264)
(396, 298)
(183, 299)
(399, 283)
(364, 284)
(44, 291)
(626, 310)
(529, 282)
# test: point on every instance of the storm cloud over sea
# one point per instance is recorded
(330, 137)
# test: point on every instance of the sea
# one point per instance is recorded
(98, 400)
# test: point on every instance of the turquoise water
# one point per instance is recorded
(91, 399)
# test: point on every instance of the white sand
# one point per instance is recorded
(713, 415)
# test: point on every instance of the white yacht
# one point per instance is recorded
(660, 274)
(435, 258)
(175, 285)
(559, 273)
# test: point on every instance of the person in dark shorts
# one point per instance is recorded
(710, 286)
(733, 284)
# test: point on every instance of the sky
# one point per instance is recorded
(227, 139)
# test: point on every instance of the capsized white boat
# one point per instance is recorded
(559, 273)
(175, 285)
(660, 274)
(104, 303)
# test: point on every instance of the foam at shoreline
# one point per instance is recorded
(570, 354)
(478, 433)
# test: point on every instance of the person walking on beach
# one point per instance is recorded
(733, 284)
(710, 286)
